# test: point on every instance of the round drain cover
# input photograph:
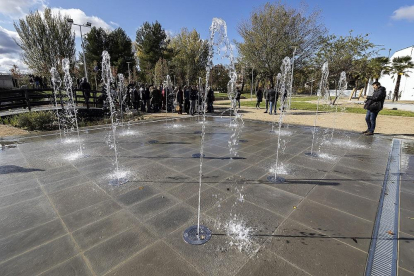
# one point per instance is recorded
(190, 235)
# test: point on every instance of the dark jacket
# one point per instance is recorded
(375, 103)
(259, 95)
(180, 96)
(238, 94)
(271, 95)
(210, 96)
(193, 95)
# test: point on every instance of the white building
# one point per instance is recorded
(406, 84)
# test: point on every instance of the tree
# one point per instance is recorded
(400, 66)
(190, 55)
(220, 77)
(151, 42)
(270, 33)
(347, 53)
(118, 45)
(45, 40)
(160, 71)
(377, 65)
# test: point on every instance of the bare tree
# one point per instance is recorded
(271, 32)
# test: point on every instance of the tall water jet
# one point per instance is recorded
(342, 85)
(200, 234)
(119, 177)
(71, 111)
(284, 86)
(324, 95)
(278, 77)
(121, 96)
(56, 82)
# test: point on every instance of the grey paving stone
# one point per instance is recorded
(406, 251)
(26, 240)
(171, 219)
(407, 221)
(360, 175)
(403, 272)
(90, 214)
(75, 266)
(20, 196)
(25, 215)
(40, 258)
(216, 257)
(347, 228)
(151, 207)
(407, 201)
(18, 187)
(103, 229)
(187, 190)
(407, 186)
(324, 165)
(75, 198)
(352, 186)
(234, 210)
(296, 243)
(65, 183)
(214, 177)
(137, 195)
(50, 179)
(349, 203)
(158, 259)
(267, 263)
(210, 198)
(272, 199)
(112, 252)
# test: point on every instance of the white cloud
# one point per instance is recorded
(404, 13)
(17, 8)
(79, 17)
(114, 23)
(9, 51)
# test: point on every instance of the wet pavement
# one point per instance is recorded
(61, 217)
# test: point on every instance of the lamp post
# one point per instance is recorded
(251, 88)
(129, 73)
(88, 24)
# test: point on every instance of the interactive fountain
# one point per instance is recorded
(323, 94)
(70, 111)
(56, 82)
(342, 85)
(200, 234)
(284, 86)
(118, 177)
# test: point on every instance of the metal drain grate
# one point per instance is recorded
(382, 258)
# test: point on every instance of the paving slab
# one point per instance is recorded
(61, 217)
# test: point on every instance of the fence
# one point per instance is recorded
(28, 98)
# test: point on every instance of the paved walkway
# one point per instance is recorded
(61, 217)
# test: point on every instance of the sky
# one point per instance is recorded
(388, 23)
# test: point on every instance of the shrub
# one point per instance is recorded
(43, 120)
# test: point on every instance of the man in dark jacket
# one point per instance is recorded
(86, 89)
(187, 91)
(238, 95)
(271, 94)
(193, 99)
(210, 100)
(374, 105)
(259, 96)
(266, 97)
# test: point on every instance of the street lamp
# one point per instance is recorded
(129, 72)
(88, 24)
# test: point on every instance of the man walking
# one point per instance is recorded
(259, 96)
(374, 105)
(266, 96)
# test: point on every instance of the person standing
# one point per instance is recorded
(266, 96)
(187, 92)
(238, 95)
(86, 90)
(271, 93)
(259, 97)
(193, 99)
(374, 105)
(210, 100)
(180, 100)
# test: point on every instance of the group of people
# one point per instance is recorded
(149, 98)
(271, 97)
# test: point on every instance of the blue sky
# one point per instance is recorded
(389, 23)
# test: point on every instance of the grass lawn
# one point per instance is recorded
(301, 103)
